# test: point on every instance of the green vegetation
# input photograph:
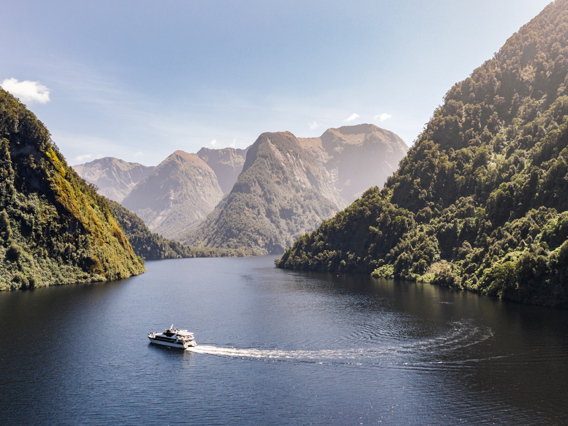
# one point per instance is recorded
(150, 246)
(480, 202)
(54, 228)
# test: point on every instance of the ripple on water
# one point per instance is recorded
(459, 335)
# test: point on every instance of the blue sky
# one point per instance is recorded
(139, 79)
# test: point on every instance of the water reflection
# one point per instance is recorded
(277, 347)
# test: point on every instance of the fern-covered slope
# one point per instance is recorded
(54, 228)
(480, 202)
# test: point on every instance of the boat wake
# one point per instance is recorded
(461, 335)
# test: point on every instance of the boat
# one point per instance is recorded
(174, 338)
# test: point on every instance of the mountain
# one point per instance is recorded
(114, 178)
(227, 163)
(54, 228)
(357, 157)
(151, 246)
(287, 186)
(481, 200)
(176, 195)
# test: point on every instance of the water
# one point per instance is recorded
(277, 347)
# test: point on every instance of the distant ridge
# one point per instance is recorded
(358, 157)
(114, 178)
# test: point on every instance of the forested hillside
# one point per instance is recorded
(480, 202)
(54, 228)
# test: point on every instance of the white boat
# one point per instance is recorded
(173, 337)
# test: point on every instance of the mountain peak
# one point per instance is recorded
(114, 177)
(193, 159)
(227, 163)
(176, 195)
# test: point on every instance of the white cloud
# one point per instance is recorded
(233, 143)
(27, 91)
(383, 117)
(138, 154)
(352, 117)
(213, 142)
(313, 125)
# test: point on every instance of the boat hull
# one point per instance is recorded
(171, 344)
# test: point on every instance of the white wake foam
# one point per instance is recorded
(461, 335)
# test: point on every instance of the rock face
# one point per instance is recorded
(176, 195)
(54, 228)
(289, 186)
(357, 157)
(227, 163)
(114, 178)
(481, 200)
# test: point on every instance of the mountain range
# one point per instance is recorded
(275, 190)
(288, 186)
(176, 195)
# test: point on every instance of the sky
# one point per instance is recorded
(140, 79)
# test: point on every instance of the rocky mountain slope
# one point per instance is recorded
(288, 186)
(227, 163)
(481, 200)
(357, 157)
(114, 178)
(54, 228)
(177, 195)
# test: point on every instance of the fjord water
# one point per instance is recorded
(277, 347)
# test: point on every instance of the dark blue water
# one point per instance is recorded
(277, 347)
